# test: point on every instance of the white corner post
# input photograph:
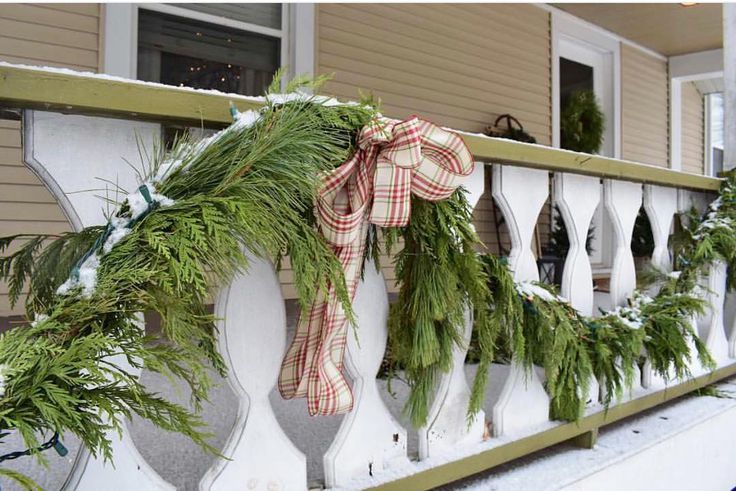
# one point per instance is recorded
(729, 79)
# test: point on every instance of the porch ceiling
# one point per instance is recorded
(667, 28)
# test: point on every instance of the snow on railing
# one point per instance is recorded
(372, 446)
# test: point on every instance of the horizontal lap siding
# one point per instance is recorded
(457, 65)
(644, 107)
(26, 206)
(692, 129)
(58, 35)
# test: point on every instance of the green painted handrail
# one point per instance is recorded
(70, 92)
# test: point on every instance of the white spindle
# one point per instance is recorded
(520, 194)
(710, 324)
(660, 204)
(713, 290)
(577, 198)
(729, 319)
(623, 201)
(54, 146)
(252, 341)
(447, 424)
(369, 440)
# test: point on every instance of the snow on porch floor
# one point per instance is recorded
(563, 465)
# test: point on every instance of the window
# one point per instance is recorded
(574, 77)
(187, 46)
(714, 124)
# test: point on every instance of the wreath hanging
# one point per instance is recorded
(582, 123)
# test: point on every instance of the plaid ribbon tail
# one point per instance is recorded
(394, 160)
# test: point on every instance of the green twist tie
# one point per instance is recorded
(146, 193)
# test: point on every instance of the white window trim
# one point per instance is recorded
(121, 35)
(691, 67)
(707, 137)
(566, 26)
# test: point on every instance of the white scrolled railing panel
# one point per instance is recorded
(447, 425)
(578, 197)
(252, 341)
(520, 194)
(56, 147)
(660, 204)
(370, 439)
(623, 200)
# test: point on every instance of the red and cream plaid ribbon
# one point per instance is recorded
(394, 160)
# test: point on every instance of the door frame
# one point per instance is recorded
(573, 38)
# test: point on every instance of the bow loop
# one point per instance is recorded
(421, 159)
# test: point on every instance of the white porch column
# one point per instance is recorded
(729, 79)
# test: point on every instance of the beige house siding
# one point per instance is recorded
(692, 144)
(457, 65)
(644, 107)
(59, 35)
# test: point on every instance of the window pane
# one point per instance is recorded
(262, 14)
(179, 51)
(574, 77)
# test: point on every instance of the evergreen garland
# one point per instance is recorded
(251, 185)
(439, 276)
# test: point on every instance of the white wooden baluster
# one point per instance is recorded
(54, 147)
(711, 323)
(447, 422)
(713, 289)
(252, 341)
(623, 201)
(577, 198)
(369, 439)
(730, 322)
(660, 204)
(520, 194)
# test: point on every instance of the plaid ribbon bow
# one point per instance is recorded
(394, 160)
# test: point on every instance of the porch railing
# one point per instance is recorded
(104, 119)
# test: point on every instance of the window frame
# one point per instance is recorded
(120, 40)
(708, 133)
